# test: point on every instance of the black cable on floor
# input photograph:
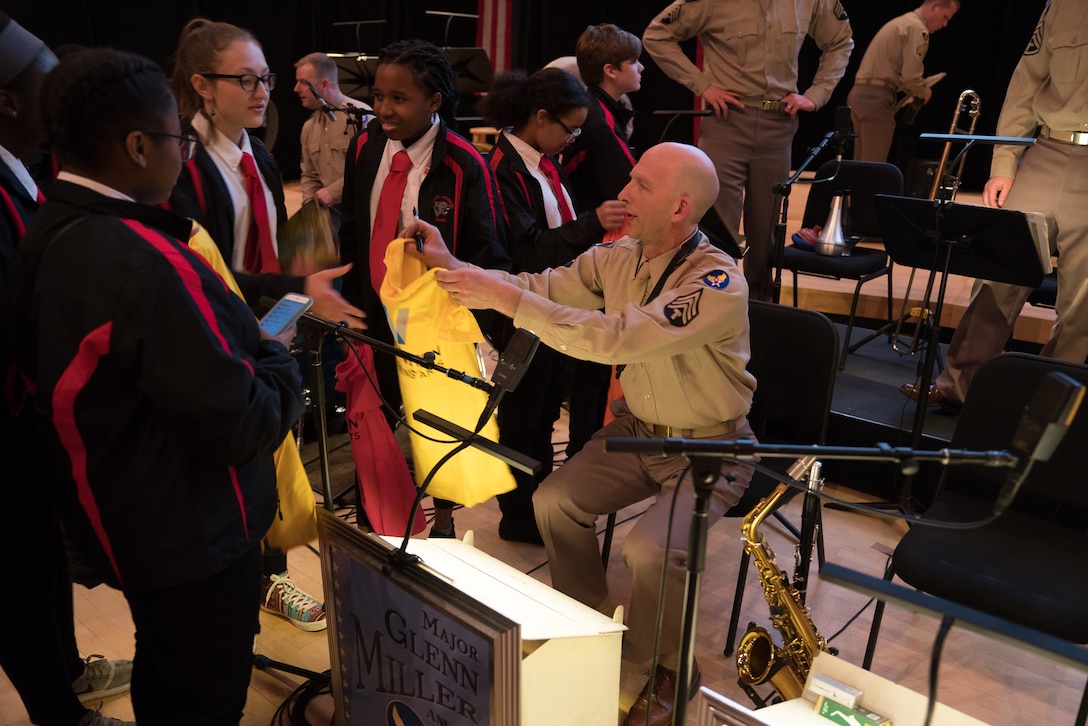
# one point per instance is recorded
(292, 712)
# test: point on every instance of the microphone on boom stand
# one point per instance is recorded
(1042, 427)
(513, 362)
(325, 107)
(844, 131)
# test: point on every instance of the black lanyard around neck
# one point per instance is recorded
(682, 254)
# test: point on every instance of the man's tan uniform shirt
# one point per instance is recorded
(324, 148)
(751, 47)
(896, 54)
(1049, 86)
(685, 352)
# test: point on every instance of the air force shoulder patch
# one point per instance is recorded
(684, 309)
(718, 279)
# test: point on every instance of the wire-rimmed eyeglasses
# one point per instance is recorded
(573, 133)
(186, 142)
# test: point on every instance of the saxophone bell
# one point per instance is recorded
(760, 661)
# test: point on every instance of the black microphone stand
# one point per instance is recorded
(428, 361)
(782, 192)
(355, 115)
(317, 328)
(321, 327)
(705, 471)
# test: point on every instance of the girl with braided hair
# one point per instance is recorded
(443, 176)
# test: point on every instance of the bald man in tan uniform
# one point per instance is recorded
(1047, 98)
(749, 79)
(683, 351)
(893, 62)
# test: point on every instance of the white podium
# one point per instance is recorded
(447, 635)
(570, 667)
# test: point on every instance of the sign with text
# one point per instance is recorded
(407, 647)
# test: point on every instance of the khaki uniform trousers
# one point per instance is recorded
(595, 482)
(1052, 179)
(751, 150)
(872, 109)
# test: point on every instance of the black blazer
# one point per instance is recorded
(201, 193)
(534, 247)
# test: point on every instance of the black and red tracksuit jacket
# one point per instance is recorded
(159, 404)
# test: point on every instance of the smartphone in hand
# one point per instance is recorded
(285, 313)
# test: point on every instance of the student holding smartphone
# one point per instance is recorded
(283, 316)
(162, 397)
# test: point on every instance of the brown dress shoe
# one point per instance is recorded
(660, 702)
(936, 397)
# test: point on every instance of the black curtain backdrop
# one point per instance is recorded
(978, 50)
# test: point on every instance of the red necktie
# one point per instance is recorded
(387, 218)
(260, 255)
(548, 166)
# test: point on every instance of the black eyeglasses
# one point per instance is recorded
(248, 81)
(186, 143)
(573, 133)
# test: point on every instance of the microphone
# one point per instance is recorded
(513, 362)
(325, 107)
(844, 131)
(1044, 423)
(798, 468)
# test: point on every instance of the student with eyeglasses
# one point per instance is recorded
(159, 399)
(56, 684)
(540, 114)
(233, 188)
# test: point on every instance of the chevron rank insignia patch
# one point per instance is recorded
(671, 16)
(840, 11)
(684, 309)
(1036, 41)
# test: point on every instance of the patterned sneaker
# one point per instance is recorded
(281, 597)
(95, 718)
(102, 678)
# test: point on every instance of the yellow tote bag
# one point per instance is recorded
(296, 521)
(424, 319)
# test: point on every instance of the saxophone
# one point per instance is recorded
(759, 659)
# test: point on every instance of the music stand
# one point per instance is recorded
(980, 242)
(358, 25)
(472, 71)
(356, 72)
(449, 21)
